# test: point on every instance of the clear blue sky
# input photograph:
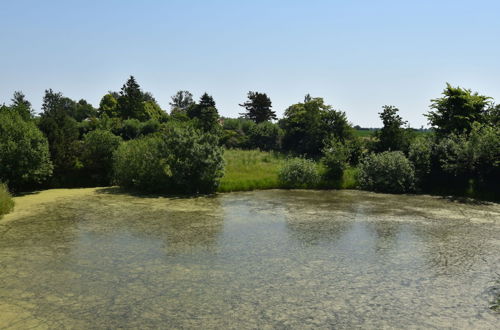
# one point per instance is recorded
(358, 55)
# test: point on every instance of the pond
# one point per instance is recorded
(98, 258)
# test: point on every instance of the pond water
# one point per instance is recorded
(98, 258)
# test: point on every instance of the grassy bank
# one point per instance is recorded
(6, 202)
(254, 169)
(251, 169)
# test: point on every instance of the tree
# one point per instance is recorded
(24, 152)
(392, 136)
(180, 159)
(181, 101)
(265, 136)
(308, 125)
(62, 133)
(457, 110)
(108, 106)
(130, 102)
(205, 113)
(21, 105)
(97, 157)
(258, 107)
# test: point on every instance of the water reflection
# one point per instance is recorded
(282, 259)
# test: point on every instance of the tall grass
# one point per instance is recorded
(251, 169)
(6, 202)
(255, 169)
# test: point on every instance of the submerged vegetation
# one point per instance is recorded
(131, 141)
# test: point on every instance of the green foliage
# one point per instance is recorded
(131, 129)
(457, 110)
(335, 159)
(265, 136)
(62, 132)
(97, 157)
(389, 171)
(205, 114)
(140, 164)
(108, 106)
(24, 152)
(258, 108)
(299, 173)
(6, 202)
(250, 169)
(177, 160)
(476, 155)
(21, 106)
(132, 103)
(307, 125)
(420, 154)
(181, 101)
(392, 136)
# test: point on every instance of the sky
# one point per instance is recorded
(357, 55)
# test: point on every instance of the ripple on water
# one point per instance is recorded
(300, 259)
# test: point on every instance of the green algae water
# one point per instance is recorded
(97, 258)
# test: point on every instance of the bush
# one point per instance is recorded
(177, 160)
(6, 202)
(97, 157)
(24, 152)
(389, 172)
(420, 154)
(299, 173)
(335, 159)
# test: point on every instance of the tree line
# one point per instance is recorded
(131, 141)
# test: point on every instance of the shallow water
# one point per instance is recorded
(272, 259)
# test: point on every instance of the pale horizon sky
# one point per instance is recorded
(357, 55)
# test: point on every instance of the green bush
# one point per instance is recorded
(389, 171)
(335, 159)
(176, 160)
(97, 156)
(24, 152)
(299, 173)
(6, 202)
(420, 154)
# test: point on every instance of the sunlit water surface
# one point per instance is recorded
(269, 259)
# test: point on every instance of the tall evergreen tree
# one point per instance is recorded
(21, 105)
(205, 113)
(258, 107)
(130, 102)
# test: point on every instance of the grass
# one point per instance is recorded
(255, 169)
(6, 202)
(251, 169)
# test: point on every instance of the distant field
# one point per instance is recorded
(370, 133)
(364, 133)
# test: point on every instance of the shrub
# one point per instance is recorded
(97, 156)
(24, 152)
(299, 173)
(176, 160)
(420, 154)
(335, 159)
(6, 202)
(139, 164)
(389, 172)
